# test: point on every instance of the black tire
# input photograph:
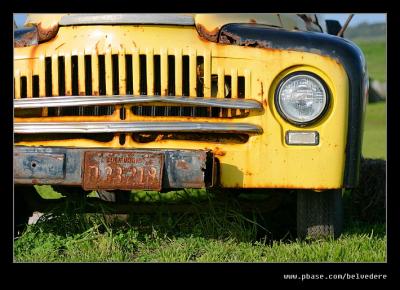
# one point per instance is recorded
(319, 214)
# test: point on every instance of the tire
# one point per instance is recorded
(319, 214)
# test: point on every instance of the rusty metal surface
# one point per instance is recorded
(103, 127)
(41, 165)
(71, 165)
(227, 37)
(46, 33)
(26, 36)
(208, 35)
(70, 101)
(186, 170)
(122, 170)
(67, 166)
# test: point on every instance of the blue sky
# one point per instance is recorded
(357, 19)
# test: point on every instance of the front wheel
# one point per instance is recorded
(319, 214)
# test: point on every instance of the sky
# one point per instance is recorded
(357, 19)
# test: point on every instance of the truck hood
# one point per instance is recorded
(208, 25)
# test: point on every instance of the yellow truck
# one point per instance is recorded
(117, 102)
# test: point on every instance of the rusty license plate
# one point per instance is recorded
(122, 170)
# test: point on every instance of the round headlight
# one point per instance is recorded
(301, 98)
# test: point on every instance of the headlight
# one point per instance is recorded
(301, 98)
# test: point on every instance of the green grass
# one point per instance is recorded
(221, 235)
(375, 54)
(374, 141)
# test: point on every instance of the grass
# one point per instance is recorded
(220, 235)
(375, 54)
(374, 141)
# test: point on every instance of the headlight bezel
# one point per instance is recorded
(283, 81)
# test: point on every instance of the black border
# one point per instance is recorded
(278, 103)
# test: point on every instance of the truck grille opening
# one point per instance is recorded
(133, 73)
(208, 137)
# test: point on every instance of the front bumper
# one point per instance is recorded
(65, 166)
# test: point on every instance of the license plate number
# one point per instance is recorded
(122, 170)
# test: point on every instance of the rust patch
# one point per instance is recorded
(182, 164)
(159, 138)
(95, 93)
(265, 102)
(219, 152)
(48, 32)
(97, 47)
(262, 89)
(231, 38)
(208, 35)
(82, 93)
(253, 21)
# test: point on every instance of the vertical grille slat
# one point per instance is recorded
(109, 77)
(29, 84)
(207, 74)
(164, 72)
(234, 90)
(121, 73)
(192, 78)
(95, 74)
(54, 75)
(134, 71)
(150, 71)
(109, 73)
(42, 76)
(68, 75)
(178, 72)
(17, 85)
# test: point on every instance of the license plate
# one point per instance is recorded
(122, 170)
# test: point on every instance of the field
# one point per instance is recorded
(220, 234)
(375, 54)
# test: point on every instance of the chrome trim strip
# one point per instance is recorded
(127, 18)
(112, 127)
(69, 101)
